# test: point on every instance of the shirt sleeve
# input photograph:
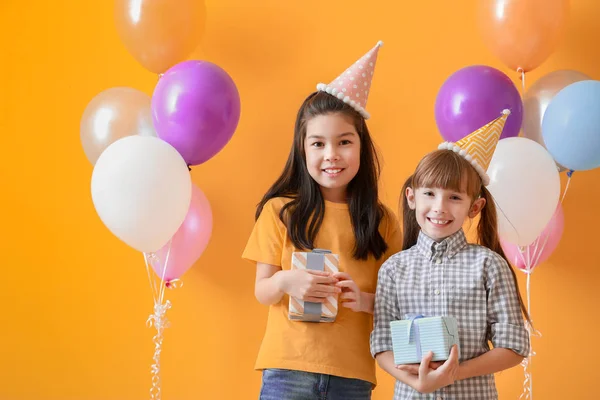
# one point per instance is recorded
(266, 240)
(385, 310)
(506, 327)
(393, 236)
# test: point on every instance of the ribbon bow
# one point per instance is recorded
(413, 331)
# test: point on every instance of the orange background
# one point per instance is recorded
(75, 299)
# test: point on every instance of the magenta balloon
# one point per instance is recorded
(473, 96)
(196, 109)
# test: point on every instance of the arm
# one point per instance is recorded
(495, 360)
(267, 289)
(386, 309)
(368, 302)
(427, 379)
(386, 361)
(505, 321)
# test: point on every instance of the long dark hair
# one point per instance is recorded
(448, 170)
(303, 215)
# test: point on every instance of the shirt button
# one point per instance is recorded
(436, 291)
(438, 261)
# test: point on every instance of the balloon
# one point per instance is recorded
(539, 96)
(473, 96)
(141, 188)
(539, 251)
(160, 33)
(196, 108)
(190, 240)
(522, 33)
(113, 114)
(571, 126)
(526, 185)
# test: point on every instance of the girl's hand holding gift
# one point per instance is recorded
(308, 285)
(352, 297)
(429, 379)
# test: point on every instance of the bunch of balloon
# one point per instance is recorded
(558, 115)
(142, 147)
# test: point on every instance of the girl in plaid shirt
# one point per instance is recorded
(439, 273)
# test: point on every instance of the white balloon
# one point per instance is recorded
(525, 183)
(141, 188)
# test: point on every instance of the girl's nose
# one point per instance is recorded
(439, 207)
(331, 156)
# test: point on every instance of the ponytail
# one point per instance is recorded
(487, 231)
(410, 226)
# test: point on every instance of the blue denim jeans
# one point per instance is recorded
(283, 384)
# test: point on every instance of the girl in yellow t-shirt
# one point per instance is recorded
(327, 198)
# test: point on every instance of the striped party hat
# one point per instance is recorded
(479, 146)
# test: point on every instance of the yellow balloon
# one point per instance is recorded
(160, 33)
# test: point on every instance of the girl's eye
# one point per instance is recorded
(345, 142)
(317, 144)
(428, 193)
(455, 198)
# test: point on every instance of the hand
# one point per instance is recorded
(308, 285)
(429, 379)
(413, 369)
(351, 296)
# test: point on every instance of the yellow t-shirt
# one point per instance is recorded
(340, 348)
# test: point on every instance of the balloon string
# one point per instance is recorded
(531, 332)
(158, 318)
(569, 175)
(160, 322)
(149, 259)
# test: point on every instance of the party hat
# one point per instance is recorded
(354, 84)
(478, 147)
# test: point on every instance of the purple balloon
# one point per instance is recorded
(474, 96)
(196, 109)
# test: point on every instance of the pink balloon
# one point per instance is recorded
(190, 241)
(541, 248)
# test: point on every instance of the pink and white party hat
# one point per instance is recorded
(354, 84)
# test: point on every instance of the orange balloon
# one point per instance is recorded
(522, 33)
(160, 33)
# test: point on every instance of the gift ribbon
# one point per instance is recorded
(315, 260)
(413, 330)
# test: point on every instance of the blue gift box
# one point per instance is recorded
(415, 336)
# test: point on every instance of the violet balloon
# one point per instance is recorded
(190, 240)
(473, 96)
(196, 109)
(540, 250)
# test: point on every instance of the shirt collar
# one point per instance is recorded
(447, 247)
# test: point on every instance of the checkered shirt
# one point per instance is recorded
(451, 278)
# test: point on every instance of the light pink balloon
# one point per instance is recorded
(190, 241)
(546, 243)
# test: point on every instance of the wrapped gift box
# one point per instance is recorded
(416, 335)
(319, 260)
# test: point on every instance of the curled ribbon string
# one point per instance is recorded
(160, 322)
(158, 318)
